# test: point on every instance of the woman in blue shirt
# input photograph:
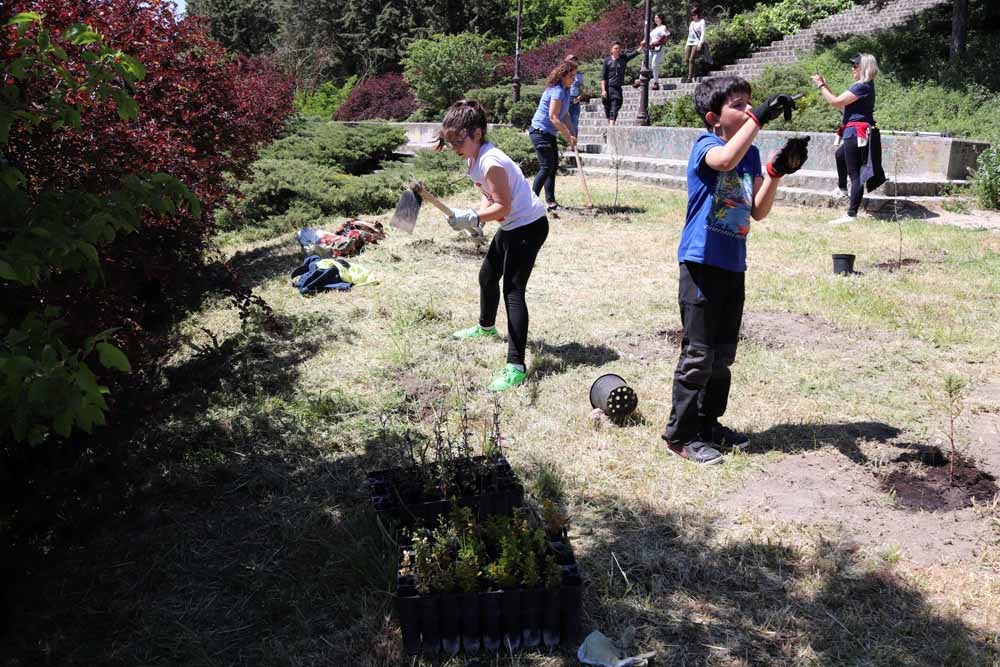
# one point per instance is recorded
(858, 103)
(549, 121)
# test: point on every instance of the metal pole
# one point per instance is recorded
(645, 72)
(517, 56)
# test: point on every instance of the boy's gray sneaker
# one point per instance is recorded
(724, 437)
(696, 451)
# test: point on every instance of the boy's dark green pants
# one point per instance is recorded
(711, 302)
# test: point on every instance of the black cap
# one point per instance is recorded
(855, 59)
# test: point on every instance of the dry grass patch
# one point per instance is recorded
(247, 539)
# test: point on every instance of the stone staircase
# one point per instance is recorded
(858, 20)
(627, 154)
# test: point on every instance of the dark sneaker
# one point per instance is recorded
(724, 437)
(696, 451)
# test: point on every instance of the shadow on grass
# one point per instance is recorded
(697, 600)
(846, 437)
(276, 259)
(552, 359)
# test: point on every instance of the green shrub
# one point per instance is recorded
(987, 178)
(325, 100)
(499, 101)
(521, 113)
(439, 67)
(354, 149)
(678, 112)
(517, 146)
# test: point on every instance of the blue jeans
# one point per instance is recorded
(547, 150)
(574, 119)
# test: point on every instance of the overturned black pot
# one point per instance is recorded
(612, 395)
(843, 264)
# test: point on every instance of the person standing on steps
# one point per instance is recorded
(550, 119)
(575, 93)
(857, 128)
(657, 43)
(508, 199)
(613, 79)
(695, 41)
(726, 188)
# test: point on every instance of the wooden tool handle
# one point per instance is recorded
(583, 177)
(426, 195)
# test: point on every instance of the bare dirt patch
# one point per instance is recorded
(896, 264)
(425, 396)
(649, 345)
(825, 489)
(937, 488)
(779, 330)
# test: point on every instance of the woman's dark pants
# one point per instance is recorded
(547, 149)
(850, 160)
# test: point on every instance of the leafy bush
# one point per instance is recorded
(386, 97)
(325, 100)
(521, 113)
(300, 181)
(987, 178)
(517, 146)
(197, 114)
(440, 67)
(46, 383)
(350, 148)
(499, 101)
(623, 22)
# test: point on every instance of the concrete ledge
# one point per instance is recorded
(904, 155)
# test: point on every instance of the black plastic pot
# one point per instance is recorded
(489, 609)
(570, 602)
(531, 616)
(511, 613)
(843, 264)
(612, 395)
(430, 623)
(408, 608)
(470, 623)
(551, 630)
(451, 611)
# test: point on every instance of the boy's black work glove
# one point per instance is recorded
(789, 158)
(772, 108)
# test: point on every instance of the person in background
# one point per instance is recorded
(695, 40)
(657, 43)
(575, 91)
(613, 79)
(856, 125)
(551, 118)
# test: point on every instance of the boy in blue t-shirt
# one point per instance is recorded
(726, 187)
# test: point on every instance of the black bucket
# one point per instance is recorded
(843, 264)
(612, 395)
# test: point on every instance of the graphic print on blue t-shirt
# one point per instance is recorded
(731, 204)
(719, 207)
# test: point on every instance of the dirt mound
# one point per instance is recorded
(932, 488)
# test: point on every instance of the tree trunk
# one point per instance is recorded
(959, 30)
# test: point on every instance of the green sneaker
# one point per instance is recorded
(509, 377)
(476, 332)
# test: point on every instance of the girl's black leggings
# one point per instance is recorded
(850, 160)
(512, 257)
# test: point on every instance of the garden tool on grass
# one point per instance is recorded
(408, 208)
(583, 177)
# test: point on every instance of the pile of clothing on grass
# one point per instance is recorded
(347, 240)
(332, 273)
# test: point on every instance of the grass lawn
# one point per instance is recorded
(251, 541)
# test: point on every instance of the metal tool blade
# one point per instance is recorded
(405, 217)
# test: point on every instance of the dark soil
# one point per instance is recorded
(424, 396)
(930, 488)
(895, 264)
